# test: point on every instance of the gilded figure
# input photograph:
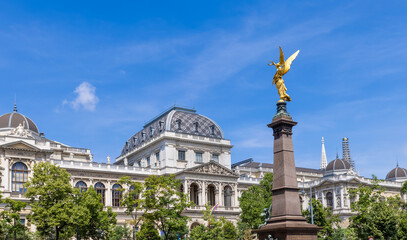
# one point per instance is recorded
(282, 68)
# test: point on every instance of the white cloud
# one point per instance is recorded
(86, 97)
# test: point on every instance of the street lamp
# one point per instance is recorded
(303, 193)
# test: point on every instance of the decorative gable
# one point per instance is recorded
(212, 168)
(21, 145)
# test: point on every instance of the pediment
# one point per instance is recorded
(212, 168)
(21, 145)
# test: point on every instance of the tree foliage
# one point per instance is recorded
(164, 204)
(221, 229)
(148, 232)
(254, 200)
(377, 216)
(131, 200)
(324, 218)
(59, 211)
(91, 219)
(403, 189)
(52, 201)
(10, 224)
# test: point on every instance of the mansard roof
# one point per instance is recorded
(175, 119)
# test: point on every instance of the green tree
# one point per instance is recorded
(164, 204)
(52, 201)
(132, 201)
(92, 220)
(324, 218)
(376, 216)
(221, 229)
(10, 224)
(211, 230)
(403, 189)
(229, 230)
(120, 232)
(148, 232)
(253, 202)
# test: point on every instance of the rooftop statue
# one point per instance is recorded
(282, 68)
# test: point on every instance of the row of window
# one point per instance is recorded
(20, 176)
(194, 195)
(195, 126)
(198, 156)
(101, 190)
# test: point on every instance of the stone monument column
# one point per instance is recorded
(286, 221)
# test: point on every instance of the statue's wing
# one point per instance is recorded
(281, 57)
(289, 61)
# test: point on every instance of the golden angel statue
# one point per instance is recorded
(282, 68)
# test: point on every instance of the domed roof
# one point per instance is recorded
(397, 173)
(338, 164)
(175, 119)
(12, 120)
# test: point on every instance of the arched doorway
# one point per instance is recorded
(228, 196)
(193, 193)
(211, 195)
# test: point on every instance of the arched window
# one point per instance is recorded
(194, 189)
(329, 200)
(19, 175)
(211, 195)
(116, 195)
(82, 186)
(228, 196)
(134, 195)
(100, 189)
(194, 225)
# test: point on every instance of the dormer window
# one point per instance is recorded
(212, 129)
(179, 124)
(143, 136)
(151, 131)
(161, 124)
(135, 141)
(196, 126)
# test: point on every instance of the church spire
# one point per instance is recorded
(323, 155)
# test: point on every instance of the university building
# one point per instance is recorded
(182, 142)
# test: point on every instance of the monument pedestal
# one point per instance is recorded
(286, 221)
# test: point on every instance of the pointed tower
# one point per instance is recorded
(323, 155)
(346, 152)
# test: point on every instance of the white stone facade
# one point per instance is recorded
(179, 142)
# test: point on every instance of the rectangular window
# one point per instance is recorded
(181, 155)
(148, 161)
(157, 159)
(198, 157)
(215, 157)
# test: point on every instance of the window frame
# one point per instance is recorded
(17, 175)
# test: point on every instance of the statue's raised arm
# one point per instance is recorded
(282, 68)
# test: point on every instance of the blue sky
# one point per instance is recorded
(91, 73)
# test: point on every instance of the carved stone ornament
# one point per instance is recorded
(20, 131)
(213, 169)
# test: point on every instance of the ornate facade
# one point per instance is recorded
(180, 142)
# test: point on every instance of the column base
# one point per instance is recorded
(288, 228)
